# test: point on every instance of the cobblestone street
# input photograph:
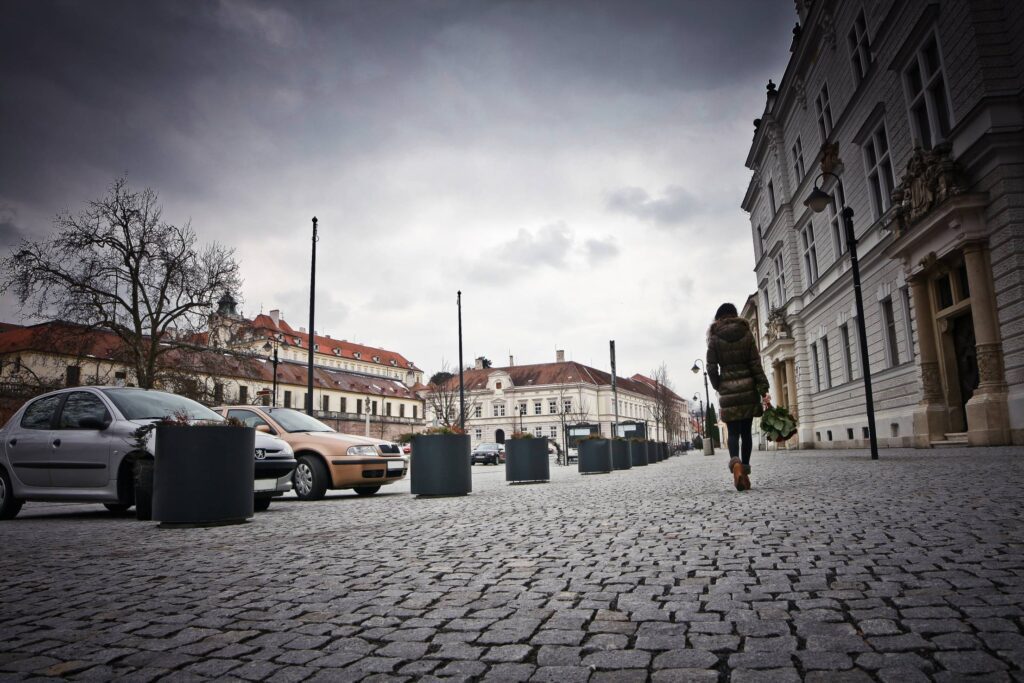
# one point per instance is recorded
(832, 568)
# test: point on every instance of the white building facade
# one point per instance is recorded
(547, 398)
(916, 108)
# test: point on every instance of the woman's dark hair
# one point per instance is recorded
(726, 311)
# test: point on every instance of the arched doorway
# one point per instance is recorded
(499, 435)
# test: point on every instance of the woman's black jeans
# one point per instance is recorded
(740, 429)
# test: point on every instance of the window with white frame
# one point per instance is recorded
(826, 364)
(846, 350)
(860, 47)
(810, 253)
(522, 408)
(553, 406)
(836, 202)
(824, 109)
(538, 431)
(760, 241)
(567, 405)
(478, 434)
(889, 331)
(927, 101)
(553, 432)
(815, 365)
(879, 170)
(499, 409)
(478, 411)
(767, 305)
(780, 279)
(771, 198)
(908, 330)
(537, 407)
(798, 161)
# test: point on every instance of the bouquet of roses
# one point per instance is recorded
(778, 424)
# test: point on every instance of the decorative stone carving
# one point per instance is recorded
(990, 364)
(800, 88)
(931, 381)
(775, 326)
(830, 157)
(932, 177)
(828, 30)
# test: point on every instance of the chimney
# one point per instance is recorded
(559, 356)
(275, 315)
(478, 364)
(302, 330)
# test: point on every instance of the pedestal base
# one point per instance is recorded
(988, 419)
(931, 423)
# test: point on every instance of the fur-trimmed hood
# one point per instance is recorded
(731, 329)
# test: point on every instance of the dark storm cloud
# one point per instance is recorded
(176, 93)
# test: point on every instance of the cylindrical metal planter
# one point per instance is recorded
(638, 453)
(595, 456)
(663, 450)
(527, 460)
(440, 465)
(620, 455)
(652, 452)
(203, 474)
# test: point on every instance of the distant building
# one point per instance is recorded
(556, 400)
(38, 358)
(916, 106)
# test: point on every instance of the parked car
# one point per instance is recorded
(488, 454)
(79, 445)
(327, 459)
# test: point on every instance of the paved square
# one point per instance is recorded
(832, 568)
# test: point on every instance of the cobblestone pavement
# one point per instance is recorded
(833, 568)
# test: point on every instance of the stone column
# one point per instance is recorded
(791, 385)
(931, 418)
(777, 383)
(988, 419)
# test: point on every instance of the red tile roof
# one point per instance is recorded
(654, 385)
(78, 341)
(263, 325)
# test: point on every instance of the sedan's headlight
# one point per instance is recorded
(361, 450)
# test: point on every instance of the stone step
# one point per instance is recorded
(953, 439)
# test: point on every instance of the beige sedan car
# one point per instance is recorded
(327, 459)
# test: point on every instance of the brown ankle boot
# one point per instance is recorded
(736, 467)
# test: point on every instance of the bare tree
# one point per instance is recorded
(117, 265)
(442, 398)
(577, 412)
(663, 398)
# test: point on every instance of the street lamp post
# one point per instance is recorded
(268, 348)
(709, 446)
(816, 202)
(312, 330)
(521, 409)
(700, 425)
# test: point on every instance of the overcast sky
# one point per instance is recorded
(574, 167)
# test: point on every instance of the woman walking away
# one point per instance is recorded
(734, 366)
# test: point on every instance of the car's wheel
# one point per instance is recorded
(310, 478)
(261, 503)
(366, 490)
(117, 507)
(9, 505)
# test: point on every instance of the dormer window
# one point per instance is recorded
(393, 362)
(376, 359)
(357, 355)
(298, 341)
(497, 385)
(337, 351)
(316, 347)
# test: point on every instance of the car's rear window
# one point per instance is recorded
(143, 404)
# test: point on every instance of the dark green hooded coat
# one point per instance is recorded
(734, 366)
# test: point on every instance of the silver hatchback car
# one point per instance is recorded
(79, 445)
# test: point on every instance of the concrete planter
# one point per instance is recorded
(527, 460)
(440, 465)
(203, 475)
(595, 456)
(638, 453)
(620, 455)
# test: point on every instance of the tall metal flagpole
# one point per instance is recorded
(462, 394)
(312, 339)
(615, 393)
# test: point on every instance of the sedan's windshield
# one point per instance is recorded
(143, 404)
(294, 421)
